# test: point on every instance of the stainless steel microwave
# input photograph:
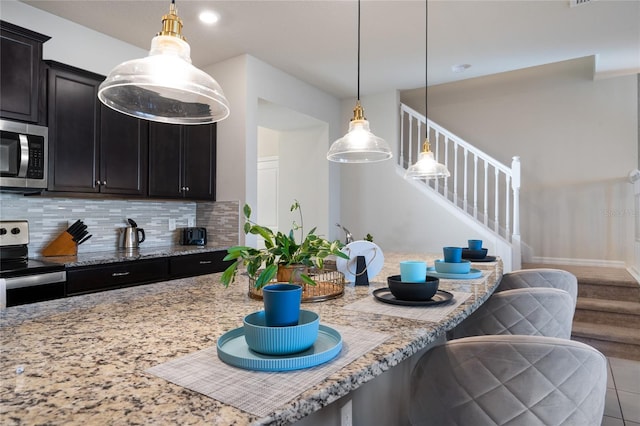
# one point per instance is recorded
(24, 154)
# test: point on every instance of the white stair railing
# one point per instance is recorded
(484, 188)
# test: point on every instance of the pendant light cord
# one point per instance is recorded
(426, 57)
(358, 49)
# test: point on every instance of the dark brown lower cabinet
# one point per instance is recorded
(198, 264)
(89, 279)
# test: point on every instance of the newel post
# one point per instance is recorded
(516, 261)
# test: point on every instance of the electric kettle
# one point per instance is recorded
(131, 236)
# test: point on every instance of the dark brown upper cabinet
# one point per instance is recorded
(93, 149)
(22, 85)
(182, 161)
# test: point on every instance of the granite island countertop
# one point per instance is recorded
(83, 359)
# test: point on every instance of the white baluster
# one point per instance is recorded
(410, 147)
(466, 176)
(497, 196)
(475, 187)
(515, 185)
(486, 193)
(507, 212)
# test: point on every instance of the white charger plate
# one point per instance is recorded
(373, 256)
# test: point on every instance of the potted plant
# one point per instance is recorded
(281, 251)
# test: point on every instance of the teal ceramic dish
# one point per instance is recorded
(280, 340)
(232, 349)
(462, 267)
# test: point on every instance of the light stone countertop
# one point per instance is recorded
(84, 358)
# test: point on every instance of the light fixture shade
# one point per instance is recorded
(165, 87)
(359, 145)
(426, 168)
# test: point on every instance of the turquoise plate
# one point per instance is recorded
(473, 273)
(233, 350)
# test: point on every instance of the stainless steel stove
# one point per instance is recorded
(27, 280)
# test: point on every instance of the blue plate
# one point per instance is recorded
(233, 349)
(474, 273)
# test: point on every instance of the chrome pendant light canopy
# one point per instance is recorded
(164, 86)
(426, 167)
(359, 145)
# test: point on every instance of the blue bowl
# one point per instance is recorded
(453, 268)
(280, 340)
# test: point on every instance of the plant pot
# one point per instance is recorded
(282, 304)
(291, 273)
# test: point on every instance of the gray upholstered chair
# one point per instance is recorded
(541, 277)
(509, 380)
(527, 311)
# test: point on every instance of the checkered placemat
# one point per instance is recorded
(258, 392)
(432, 313)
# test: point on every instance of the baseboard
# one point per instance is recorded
(579, 262)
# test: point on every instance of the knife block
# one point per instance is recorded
(61, 246)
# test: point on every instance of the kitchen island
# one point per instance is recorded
(85, 359)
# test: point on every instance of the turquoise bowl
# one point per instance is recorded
(284, 340)
(462, 267)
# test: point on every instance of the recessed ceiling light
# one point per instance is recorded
(209, 17)
(460, 68)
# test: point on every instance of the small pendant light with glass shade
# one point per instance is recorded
(359, 145)
(165, 86)
(426, 167)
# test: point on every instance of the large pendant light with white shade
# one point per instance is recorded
(165, 86)
(426, 167)
(359, 145)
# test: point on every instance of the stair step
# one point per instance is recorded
(607, 312)
(606, 290)
(614, 341)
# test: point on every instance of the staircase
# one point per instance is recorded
(607, 314)
(481, 191)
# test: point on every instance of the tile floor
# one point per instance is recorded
(622, 406)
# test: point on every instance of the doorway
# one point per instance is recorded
(292, 165)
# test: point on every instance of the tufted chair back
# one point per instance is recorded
(509, 380)
(527, 311)
(541, 277)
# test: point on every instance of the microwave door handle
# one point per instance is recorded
(24, 155)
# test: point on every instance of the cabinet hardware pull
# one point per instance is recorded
(104, 182)
(187, 188)
(98, 182)
(120, 274)
(205, 262)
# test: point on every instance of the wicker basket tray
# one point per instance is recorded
(330, 285)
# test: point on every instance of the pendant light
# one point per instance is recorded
(164, 86)
(426, 167)
(359, 145)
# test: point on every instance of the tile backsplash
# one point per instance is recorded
(49, 216)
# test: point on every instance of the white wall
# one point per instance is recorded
(246, 81)
(376, 200)
(577, 139)
(71, 43)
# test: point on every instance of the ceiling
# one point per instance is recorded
(316, 40)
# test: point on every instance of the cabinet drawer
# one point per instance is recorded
(96, 278)
(198, 264)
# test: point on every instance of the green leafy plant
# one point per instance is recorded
(279, 249)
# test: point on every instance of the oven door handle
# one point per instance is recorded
(37, 279)
(24, 156)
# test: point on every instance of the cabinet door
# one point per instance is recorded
(200, 162)
(190, 265)
(123, 153)
(115, 275)
(74, 115)
(20, 73)
(165, 160)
